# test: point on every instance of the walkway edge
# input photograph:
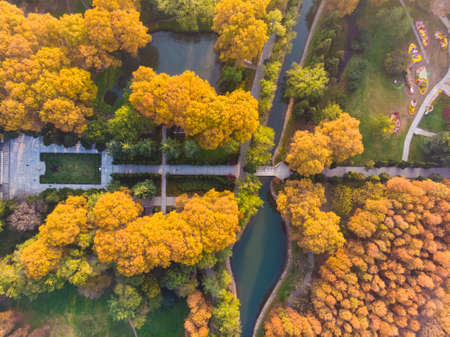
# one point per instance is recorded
(287, 268)
(290, 107)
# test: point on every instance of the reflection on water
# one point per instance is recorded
(173, 53)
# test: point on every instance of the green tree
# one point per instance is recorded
(144, 190)
(190, 14)
(248, 198)
(171, 148)
(225, 321)
(146, 148)
(259, 153)
(97, 133)
(342, 203)
(191, 149)
(230, 78)
(396, 62)
(129, 125)
(382, 125)
(306, 82)
(395, 24)
(330, 112)
(125, 302)
(437, 149)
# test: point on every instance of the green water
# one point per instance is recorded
(258, 259)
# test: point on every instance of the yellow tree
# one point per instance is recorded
(343, 7)
(345, 140)
(196, 324)
(216, 215)
(299, 198)
(67, 220)
(309, 153)
(241, 28)
(192, 103)
(112, 26)
(38, 259)
(321, 233)
(114, 210)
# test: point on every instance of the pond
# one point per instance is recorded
(173, 53)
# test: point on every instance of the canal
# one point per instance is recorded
(260, 256)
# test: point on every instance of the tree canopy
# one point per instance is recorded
(189, 102)
(241, 28)
(335, 140)
(390, 278)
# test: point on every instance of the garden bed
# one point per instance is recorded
(71, 168)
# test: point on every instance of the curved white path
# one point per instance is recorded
(443, 84)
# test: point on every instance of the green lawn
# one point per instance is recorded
(435, 120)
(416, 149)
(168, 321)
(71, 168)
(376, 95)
(72, 315)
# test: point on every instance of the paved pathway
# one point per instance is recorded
(422, 132)
(163, 176)
(409, 172)
(443, 84)
(281, 171)
(219, 170)
(25, 166)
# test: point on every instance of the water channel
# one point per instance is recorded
(260, 255)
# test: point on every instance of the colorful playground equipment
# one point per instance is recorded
(422, 79)
(395, 116)
(422, 30)
(412, 107)
(442, 38)
(414, 53)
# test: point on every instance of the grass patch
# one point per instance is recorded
(177, 185)
(416, 149)
(168, 321)
(105, 81)
(71, 168)
(435, 122)
(376, 95)
(72, 315)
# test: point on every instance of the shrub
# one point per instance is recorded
(356, 70)
(230, 79)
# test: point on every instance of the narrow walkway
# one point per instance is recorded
(219, 170)
(409, 172)
(422, 132)
(163, 176)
